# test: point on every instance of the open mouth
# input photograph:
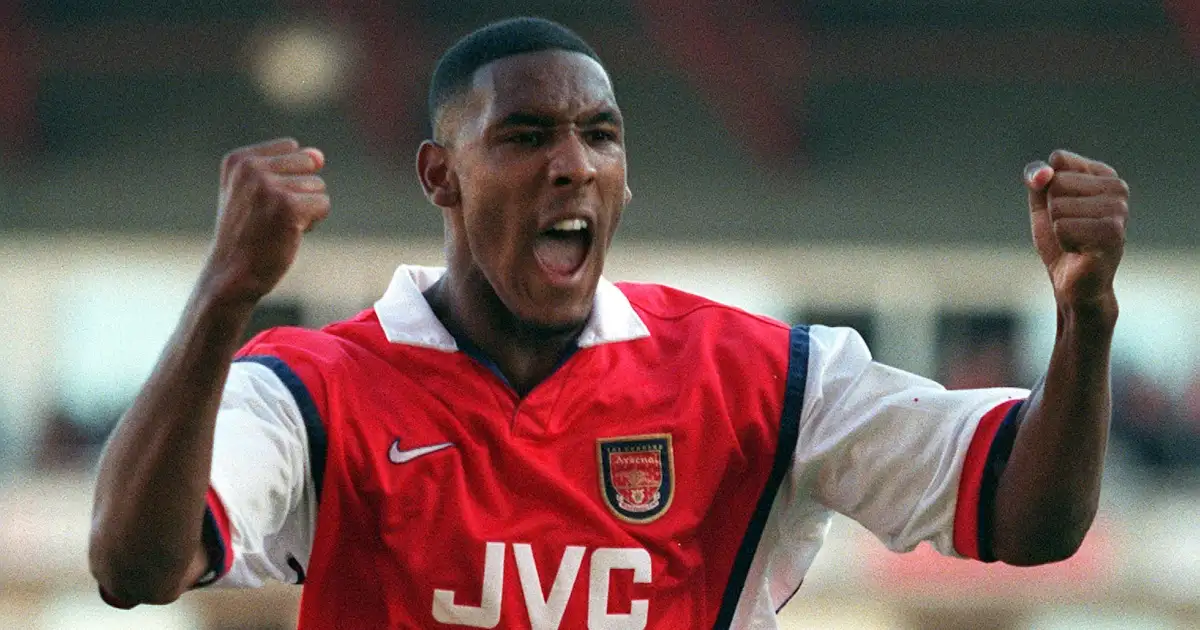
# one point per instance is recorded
(563, 248)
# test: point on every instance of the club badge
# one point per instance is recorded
(637, 476)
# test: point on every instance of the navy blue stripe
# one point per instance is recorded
(317, 440)
(297, 567)
(475, 352)
(214, 548)
(469, 348)
(997, 460)
(789, 434)
(788, 599)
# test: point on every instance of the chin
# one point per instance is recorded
(555, 319)
(557, 323)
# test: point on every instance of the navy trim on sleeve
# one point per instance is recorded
(997, 460)
(295, 565)
(317, 440)
(789, 434)
(214, 548)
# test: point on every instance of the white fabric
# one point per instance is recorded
(880, 445)
(407, 318)
(261, 474)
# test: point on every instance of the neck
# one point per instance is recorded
(525, 353)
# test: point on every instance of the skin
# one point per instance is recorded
(496, 180)
(145, 542)
(1049, 492)
(538, 136)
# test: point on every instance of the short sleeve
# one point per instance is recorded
(261, 510)
(908, 459)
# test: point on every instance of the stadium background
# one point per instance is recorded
(832, 161)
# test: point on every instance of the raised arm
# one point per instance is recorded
(1048, 493)
(145, 544)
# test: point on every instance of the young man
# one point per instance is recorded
(512, 441)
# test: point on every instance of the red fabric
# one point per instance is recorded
(748, 60)
(527, 471)
(19, 78)
(966, 514)
(222, 518)
(1187, 15)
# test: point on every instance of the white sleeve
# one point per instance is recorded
(262, 480)
(887, 447)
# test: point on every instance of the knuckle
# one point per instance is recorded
(300, 202)
(247, 175)
(255, 163)
(1114, 230)
(246, 168)
(1064, 182)
(318, 203)
(237, 161)
(311, 183)
(1122, 187)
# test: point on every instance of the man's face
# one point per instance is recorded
(539, 159)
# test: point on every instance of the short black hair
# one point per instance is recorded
(514, 36)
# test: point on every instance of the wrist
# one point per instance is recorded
(1094, 317)
(226, 288)
(218, 296)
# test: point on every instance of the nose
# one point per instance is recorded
(571, 162)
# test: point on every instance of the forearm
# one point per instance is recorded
(153, 474)
(1049, 491)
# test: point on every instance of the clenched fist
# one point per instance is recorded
(1078, 210)
(270, 196)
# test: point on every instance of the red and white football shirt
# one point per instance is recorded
(678, 470)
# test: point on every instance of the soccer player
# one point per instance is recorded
(513, 441)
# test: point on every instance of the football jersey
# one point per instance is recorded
(678, 470)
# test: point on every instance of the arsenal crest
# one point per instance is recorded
(637, 476)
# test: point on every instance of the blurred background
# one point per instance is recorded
(848, 162)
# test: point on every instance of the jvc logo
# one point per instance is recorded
(546, 613)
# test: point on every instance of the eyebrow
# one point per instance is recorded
(606, 116)
(527, 119)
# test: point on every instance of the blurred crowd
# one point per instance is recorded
(1156, 428)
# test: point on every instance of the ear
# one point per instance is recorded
(433, 169)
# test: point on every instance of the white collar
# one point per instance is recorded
(407, 318)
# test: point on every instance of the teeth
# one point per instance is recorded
(570, 225)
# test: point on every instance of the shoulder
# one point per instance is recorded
(701, 329)
(668, 306)
(322, 348)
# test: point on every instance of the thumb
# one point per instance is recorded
(1037, 179)
(317, 156)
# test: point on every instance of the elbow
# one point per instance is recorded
(1031, 533)
(128, 586)
(126, 583)
(1041, 552)
(1045, 545)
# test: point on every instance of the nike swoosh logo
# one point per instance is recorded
(397, 456)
